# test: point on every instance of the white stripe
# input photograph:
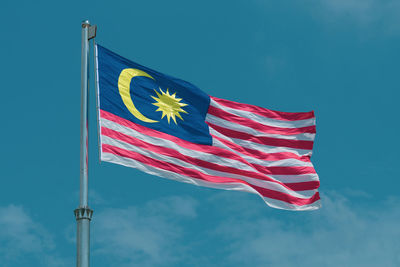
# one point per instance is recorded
(261, 183)
(227, 186)
(260, 147)
(287, 206)
(264, 120)
(298, 178)
(245, 129)
(289, 162)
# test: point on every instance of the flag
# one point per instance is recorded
(168, 127)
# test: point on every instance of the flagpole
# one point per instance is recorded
(83, 214)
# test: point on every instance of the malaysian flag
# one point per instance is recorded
(168, 127)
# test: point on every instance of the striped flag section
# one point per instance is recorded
(253, 149)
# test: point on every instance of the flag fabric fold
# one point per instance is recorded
(169, 128)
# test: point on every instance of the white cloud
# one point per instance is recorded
(24, 241)
(142, 236)
(337, 235)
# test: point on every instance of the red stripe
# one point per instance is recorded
(285, 197)
(198, 175)
(285, 116)
(258, 126)
(261, 155)
(206, 164)
(303, 186)
(270, 141)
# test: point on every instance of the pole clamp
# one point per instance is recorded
(83, 213)
(92, 31)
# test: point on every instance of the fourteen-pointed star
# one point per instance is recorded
(169, 105)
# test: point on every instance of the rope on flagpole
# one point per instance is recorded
(96, 88)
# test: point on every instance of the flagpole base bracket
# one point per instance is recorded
(83, 213)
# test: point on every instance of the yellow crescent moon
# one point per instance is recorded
(124, 82)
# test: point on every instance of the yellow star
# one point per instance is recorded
(169, 105)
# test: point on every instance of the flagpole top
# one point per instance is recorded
(85, 23)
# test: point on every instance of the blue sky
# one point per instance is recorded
(339, 58)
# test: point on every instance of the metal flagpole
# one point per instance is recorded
(83, 213)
